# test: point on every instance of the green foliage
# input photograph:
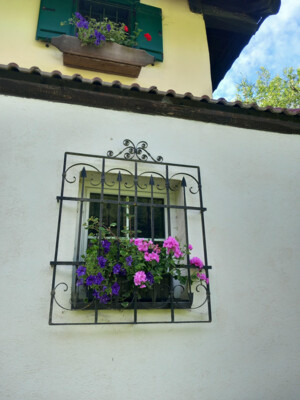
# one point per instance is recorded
(91, 32)
(117, 259)
(279, 91)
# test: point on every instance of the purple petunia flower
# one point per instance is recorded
(96, 294)
(108, 27)
(101, 261)
(106, 245)
(81, 270)
(123, 272)
(115, 288)
(78, 15)
(79, 282)
(129, 261)
(99, 279)
(117, 268)
(150, 278)
(82, 23)
(104, 299)
(90, 280)
(99, 37)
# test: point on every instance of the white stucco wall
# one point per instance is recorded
(251, 189)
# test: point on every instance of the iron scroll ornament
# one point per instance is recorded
(131, 150)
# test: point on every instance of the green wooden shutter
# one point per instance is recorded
(52, 13)
(149, 19)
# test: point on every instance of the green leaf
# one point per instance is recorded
(279, 91)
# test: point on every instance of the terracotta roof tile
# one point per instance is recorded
(56, 74)
(97, 81)
(35, 70)
(116, 84)
(151, 90)
(135, 87)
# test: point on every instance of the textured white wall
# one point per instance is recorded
(251, 189)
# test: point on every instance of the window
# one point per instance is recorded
(110, 211)
(122, 12)
(155, 200)
(148, 18)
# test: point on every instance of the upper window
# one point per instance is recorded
(130, 12)
(120, 12)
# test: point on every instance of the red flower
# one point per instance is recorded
(126, 28)
(148, 37)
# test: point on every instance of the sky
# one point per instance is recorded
(275, 46)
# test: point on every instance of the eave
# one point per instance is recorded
(230, 25)
(35, 84)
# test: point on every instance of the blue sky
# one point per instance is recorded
(275, 46)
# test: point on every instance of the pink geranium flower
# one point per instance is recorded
(140, 279)
(203, 277)
(197, 262)
(172, 245)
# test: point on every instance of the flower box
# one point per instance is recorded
(156, 297)
(110, 58)
(123, 272)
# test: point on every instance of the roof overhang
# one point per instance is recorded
(230, 25)
(55, 87)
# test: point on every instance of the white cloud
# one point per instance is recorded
(275, 46)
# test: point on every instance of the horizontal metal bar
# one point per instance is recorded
(67, 263)
(130, 203)
(185, 266)
(132, 323)
(131, 160)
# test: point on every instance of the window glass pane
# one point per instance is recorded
(110, 211)
(100, 10)
(144, 219)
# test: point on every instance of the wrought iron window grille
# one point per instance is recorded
(100, 9)
(160, 194)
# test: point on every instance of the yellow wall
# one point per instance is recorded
(186, 60)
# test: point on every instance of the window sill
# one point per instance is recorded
(110, 58)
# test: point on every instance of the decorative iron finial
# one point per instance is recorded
(131, 150)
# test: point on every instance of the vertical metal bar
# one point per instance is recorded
(135, 199)
(135, 228)
(169, 234)
(152, 209)
(168, 200)
(101, 205)
(119, 206)
(83, 176)
(204, 244)
(57, 238)
(183, 185)
(119, 179)
(135, 305)
(100, 224)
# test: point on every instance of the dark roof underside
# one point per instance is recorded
(33, 83)
(230, 24)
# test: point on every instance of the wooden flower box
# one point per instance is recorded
(111, 58)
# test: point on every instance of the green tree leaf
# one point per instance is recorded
(279, 91)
